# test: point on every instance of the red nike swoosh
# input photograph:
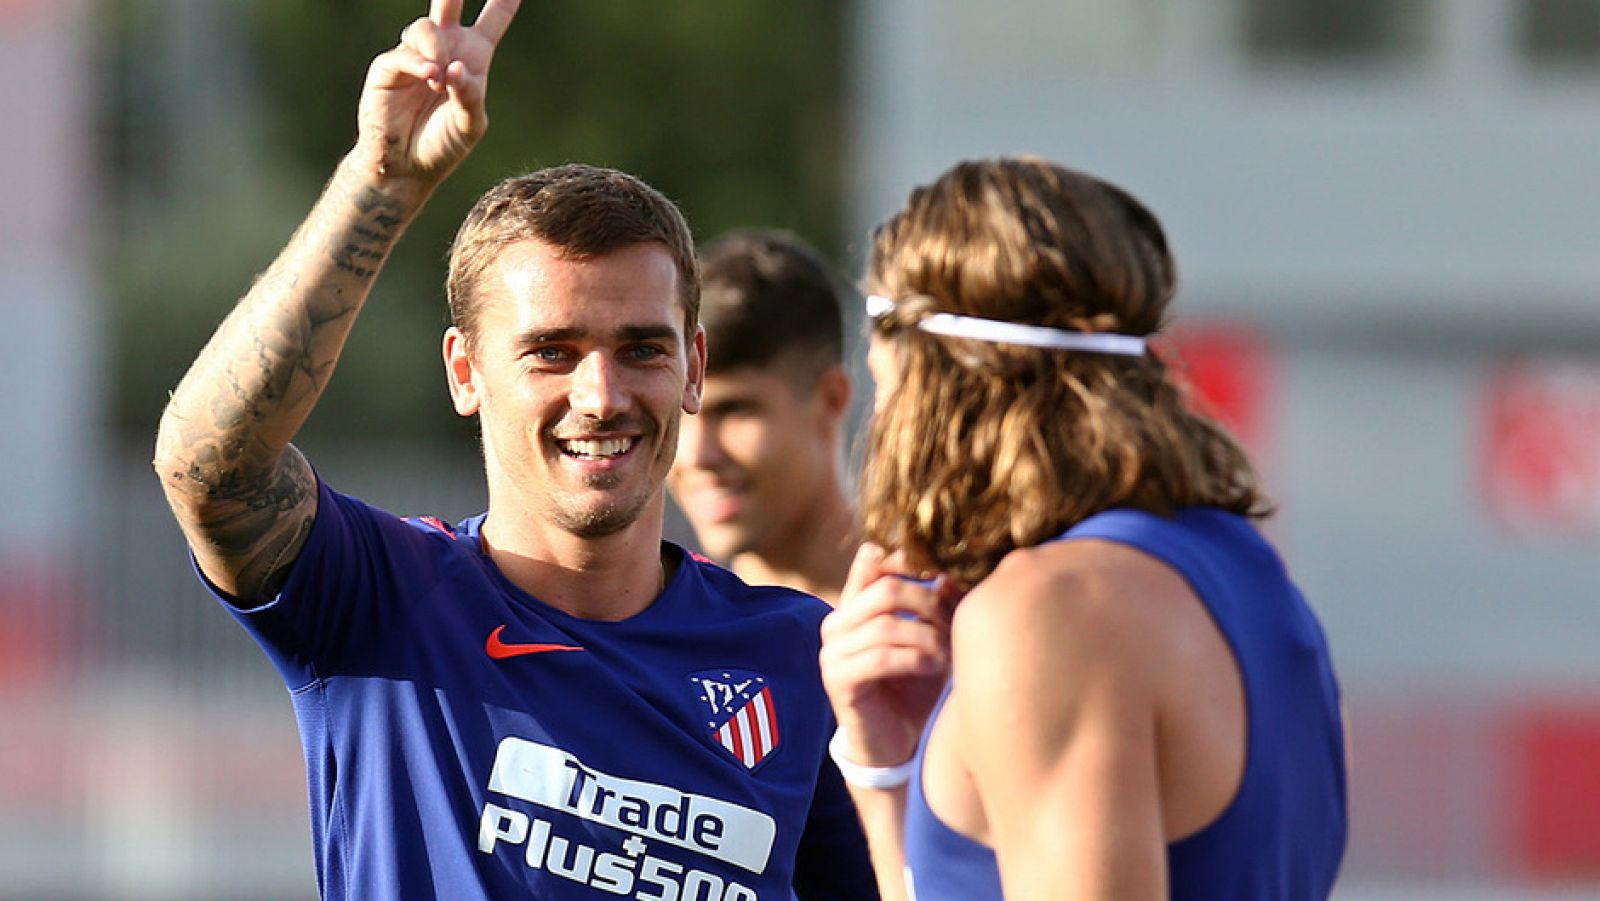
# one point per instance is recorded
(499, 650)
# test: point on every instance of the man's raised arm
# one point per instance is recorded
(243, 495)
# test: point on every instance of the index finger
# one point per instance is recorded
(445, 13)
(864, 569)
(872, 562)
(495, 18)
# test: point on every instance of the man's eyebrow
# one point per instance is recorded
(733, 403)
(646, 332)
(551, 335)
(537, 336)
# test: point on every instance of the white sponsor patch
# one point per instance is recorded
(553, 778)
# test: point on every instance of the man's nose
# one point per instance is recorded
(597, 389)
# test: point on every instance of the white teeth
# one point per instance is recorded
(604, 447)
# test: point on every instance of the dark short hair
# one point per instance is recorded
(769, 296)
(583, 211)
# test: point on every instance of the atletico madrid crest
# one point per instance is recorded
(742, 716)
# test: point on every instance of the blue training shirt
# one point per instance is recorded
(464, 740)
(1283, 836)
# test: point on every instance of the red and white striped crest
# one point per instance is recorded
(743, 716)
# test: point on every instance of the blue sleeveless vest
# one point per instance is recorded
(1284, 834)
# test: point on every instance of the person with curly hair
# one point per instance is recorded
(1066, 664)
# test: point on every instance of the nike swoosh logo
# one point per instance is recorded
(500, 650)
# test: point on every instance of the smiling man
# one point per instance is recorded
(760, 469)
(545, 700)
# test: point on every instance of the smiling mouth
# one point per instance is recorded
(596, 448)
(718, 505)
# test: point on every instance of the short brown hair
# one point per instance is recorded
(583, 211)
(985, 447)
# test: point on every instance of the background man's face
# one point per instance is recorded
(756, 460)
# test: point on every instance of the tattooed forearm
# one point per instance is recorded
(351, 258)
(266, 367)
(371, 237)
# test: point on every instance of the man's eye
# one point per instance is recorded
(644, 352)
(548, 354)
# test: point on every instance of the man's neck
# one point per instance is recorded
(612, 577)
(813, 556)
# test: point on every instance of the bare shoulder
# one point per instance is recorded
(1088, 584)
(1058, 685)
(1082, 603)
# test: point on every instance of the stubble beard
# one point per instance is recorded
(615, 513)
(605, 518)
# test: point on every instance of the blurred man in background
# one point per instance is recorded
(760, 470)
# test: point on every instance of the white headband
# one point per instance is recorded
(1015, 333)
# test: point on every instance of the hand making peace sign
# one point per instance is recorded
(422, 107)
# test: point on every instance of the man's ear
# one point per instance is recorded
(834, 390)
(694, 387)
(459, 373)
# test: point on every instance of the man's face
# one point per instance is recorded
(579, 373)
(759, 457)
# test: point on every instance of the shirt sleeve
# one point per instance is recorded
(333, 600)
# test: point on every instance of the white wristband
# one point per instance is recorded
(880, 777)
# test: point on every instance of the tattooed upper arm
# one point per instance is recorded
(246, 530)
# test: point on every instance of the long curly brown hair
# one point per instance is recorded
(981, 448)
